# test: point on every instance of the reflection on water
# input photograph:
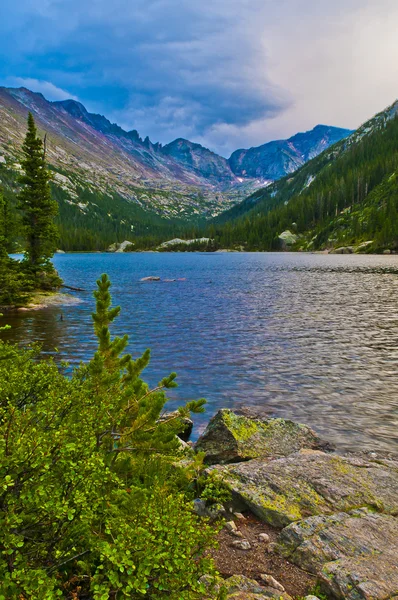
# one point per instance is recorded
(311, 337)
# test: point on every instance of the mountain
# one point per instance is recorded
(276, 159)
(88, 151)
(348, 195)
(201, 161)
(110, 183)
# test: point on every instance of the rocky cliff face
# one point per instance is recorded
(276, 159)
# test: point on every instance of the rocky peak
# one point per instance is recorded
(276, 159)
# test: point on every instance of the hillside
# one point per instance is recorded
(87, 151)
(345, 196)
(112, 185)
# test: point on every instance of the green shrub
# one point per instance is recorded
(92, 504)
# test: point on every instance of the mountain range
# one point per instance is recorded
(93, 159)
(345, 197)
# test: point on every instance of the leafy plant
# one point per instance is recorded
(91, 503)
(214, 490)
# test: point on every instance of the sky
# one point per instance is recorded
(225, 73)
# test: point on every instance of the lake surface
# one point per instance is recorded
(311, 337)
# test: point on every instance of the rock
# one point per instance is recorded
(237, 533)
(214, 512)
(311, 598)
(264, 538)
(186, 424)
(342, 250)
(387, 251)
(239, 516)
(120, 247)
(272, 582)
(232, 437)
(230, 526)
(362, 247)
(179, 242)
(241, 545)
(288, 238)
(311, 483)
(354, 555)
(199, 507)
(239, 587)
(150, 278)
(60, 251)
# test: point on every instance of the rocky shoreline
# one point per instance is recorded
(334, 517)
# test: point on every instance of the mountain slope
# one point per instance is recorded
(346, 195)
(111, 182)
(87, 151)
(276, 159)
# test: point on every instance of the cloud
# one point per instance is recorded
(49, 90)
(226, 73)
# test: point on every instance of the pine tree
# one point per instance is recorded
(37, 206)
(137, 424)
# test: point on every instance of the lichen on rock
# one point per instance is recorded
(232, 437)
(311, 483)
(353, 554)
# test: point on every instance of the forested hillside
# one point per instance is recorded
(347, 195)
(98, 221)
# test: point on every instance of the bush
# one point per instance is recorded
(92, 504)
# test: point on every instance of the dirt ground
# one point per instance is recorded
(252, 563)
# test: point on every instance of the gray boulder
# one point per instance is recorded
(232, 437)
(354, 555)
(311, 483)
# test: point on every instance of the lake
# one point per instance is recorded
(311, 337)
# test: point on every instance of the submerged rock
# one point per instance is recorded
(311, 483)
(354, 555)
(232, 437)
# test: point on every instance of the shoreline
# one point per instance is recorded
(41, 300)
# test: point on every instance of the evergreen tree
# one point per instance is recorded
(13, 284)
(37, 206)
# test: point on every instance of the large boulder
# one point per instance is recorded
(233, 436)
(311, 483)
(354, 555)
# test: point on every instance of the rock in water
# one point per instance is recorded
(311, 483)
(354, 555)
(150, 278)
(232, 437)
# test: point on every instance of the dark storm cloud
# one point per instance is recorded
(226, 73)
(185, 67)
